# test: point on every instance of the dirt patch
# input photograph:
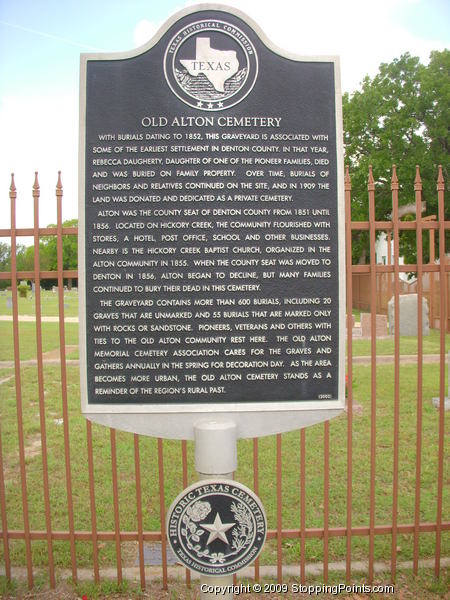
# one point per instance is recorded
(11, 465)
(33, 447)
(129, 551)
(357, 409)
(56, 354)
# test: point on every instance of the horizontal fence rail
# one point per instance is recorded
(367, 486)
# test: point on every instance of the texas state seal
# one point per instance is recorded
(211, 65)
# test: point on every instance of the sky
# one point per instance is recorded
(41, 42)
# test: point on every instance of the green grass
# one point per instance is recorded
(408, 345)
(173, 467)
(27, 338)
(267, 470)
(49, 304)
(424, 586)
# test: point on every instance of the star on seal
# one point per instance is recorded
(217, 530)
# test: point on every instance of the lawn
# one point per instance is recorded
(27, 339)
(267, 471)
(291, 458)
(49, 304)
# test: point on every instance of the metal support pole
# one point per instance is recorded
(215, 457)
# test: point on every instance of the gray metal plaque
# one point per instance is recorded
(211, 230)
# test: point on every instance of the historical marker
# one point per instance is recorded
(211, 231)
(216, 527)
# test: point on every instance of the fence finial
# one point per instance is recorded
(440, 180)
(59, 185)
(12, 187)
(347, 179)
(417, 180)
(36, 184)
(371, 179)
(394, 178)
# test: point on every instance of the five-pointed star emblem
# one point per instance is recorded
(217, 530)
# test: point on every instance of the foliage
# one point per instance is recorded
(5, 257)
(49, 254)
(25, 258)
(23, 289)
(398, 117)
(5, 263)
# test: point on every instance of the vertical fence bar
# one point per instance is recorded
(137, 472)
(40, 372)
(395, 221)
(256, 489)
(443, 327)
(326, 489)
(19, 409)
(419, 246)
(92, 501)
(6, 554)
(389, 263)
(279, 511)
(373, 392)
(62, 354)
(7, 557)
(112, 436)
(349, 290)
(432, 287)
(185, 484)
(162, 511)
(302, 506)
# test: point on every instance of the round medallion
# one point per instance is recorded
(211, 65)
(216, 527)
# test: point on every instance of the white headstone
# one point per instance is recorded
(408, 315)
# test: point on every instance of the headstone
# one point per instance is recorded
(380, 325)
(408, 315)
(437, 401)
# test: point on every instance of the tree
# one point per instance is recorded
(5, 257)
(47, 253)
(398, 117)
(5, 263)
(25, 258)
(48, 249)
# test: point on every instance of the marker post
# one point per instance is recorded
(215, 456)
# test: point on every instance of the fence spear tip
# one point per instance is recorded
(418, 179)
(36, 181)
(59, 182)
(440, 175)
(371, 180)
(394, 178)
(12, 187)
